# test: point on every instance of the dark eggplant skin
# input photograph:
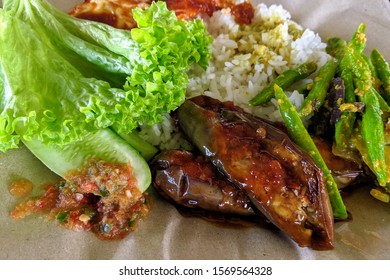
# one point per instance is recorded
(336, 98)
(189, 180)
(280, 179)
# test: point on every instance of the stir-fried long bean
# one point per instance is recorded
(383, 71)
(358, 41)
(374, 75)
(376, 82)
(301, 137)
(316, 97)
(383, 105)
(336, 47)
(284, 80)
(373, 135)
(372, 124)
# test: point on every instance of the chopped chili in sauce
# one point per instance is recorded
(102, 197)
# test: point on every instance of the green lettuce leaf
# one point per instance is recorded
(62, 77)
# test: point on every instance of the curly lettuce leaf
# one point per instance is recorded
(62, 77)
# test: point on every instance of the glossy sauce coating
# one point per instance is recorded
(191, 181)
(281, 181)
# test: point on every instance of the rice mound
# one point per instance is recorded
(244, 60)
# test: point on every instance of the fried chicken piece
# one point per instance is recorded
(118, 13)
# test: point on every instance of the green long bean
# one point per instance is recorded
(284, 80)
(335, 47)
(372, 123)
(301, 137)
(316, 97)
(373, 135)
(358, 41)
(383, 105)
(376, 82)
(383, 71)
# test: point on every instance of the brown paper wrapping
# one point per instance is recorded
(168, 235)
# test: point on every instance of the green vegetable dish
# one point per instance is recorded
(358, 134)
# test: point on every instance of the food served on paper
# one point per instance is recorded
(268, 66)
(102, 197)
(71, 87)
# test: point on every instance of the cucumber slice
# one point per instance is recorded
(147, 150)
(104, 144)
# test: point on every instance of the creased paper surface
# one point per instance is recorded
(168, 235)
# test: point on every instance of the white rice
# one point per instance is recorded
(244, 60)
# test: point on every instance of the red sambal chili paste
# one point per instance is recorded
(101, 197)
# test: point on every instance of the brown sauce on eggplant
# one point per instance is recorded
(281, 180)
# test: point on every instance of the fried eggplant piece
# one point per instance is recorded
(189, 180)
(280, 179)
